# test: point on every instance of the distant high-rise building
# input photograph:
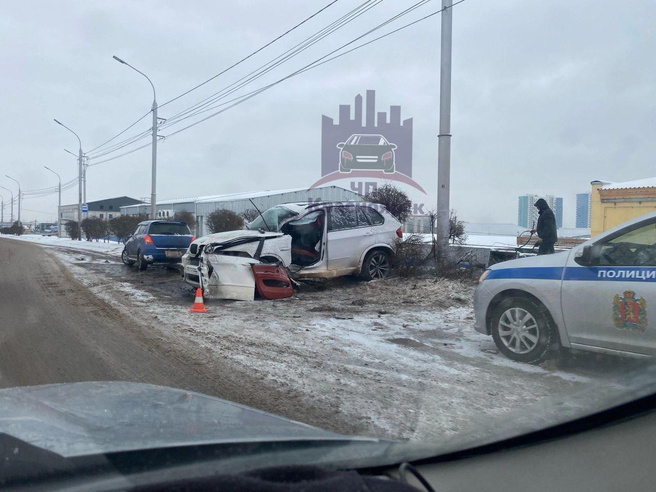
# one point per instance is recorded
(524, 206)
(527, 214)
(583, 210)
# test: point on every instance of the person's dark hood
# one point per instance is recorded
(541, 204)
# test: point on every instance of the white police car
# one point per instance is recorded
(599, 296)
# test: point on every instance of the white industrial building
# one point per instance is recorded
(202, 206)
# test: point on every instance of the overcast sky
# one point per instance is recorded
(547, 96)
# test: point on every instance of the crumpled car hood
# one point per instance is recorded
(78, 419)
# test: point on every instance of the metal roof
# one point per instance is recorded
(246, 196)
(638, 183)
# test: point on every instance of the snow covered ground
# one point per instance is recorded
(110, 248)
(397, 358)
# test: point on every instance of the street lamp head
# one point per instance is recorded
(58, 122)
(119, 60)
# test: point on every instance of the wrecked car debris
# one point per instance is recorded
(308, 240)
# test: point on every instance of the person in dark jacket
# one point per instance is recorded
(546, 228)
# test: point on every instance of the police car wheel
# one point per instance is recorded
(521, 330)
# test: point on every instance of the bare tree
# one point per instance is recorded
(188, 218)
(250, 215)
(224, 220)
(94, 228)
(456, 229)
(396, 201)
(72, 229)
(125, 225)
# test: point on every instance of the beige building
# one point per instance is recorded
(614, 203)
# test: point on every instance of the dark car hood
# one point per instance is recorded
(78, 419)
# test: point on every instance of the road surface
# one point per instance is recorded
(54, 331)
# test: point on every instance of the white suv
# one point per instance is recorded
(326, 239)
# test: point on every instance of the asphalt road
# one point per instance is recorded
(52, 330)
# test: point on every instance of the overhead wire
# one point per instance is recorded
(118, 134)
(319, 61)
(332, 27)
(280, 59)
(316, 63)
(251, 55)
(90, 152)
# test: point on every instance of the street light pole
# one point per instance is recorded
(153, 191)
(79, 178)
(85, 165)
(2, 211)
(444, 138)
(59, 206)
(19, 198)
(11, 216)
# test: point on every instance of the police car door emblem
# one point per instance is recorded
(630, 311)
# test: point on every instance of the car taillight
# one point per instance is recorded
(148, 239)
(399, 233)
(347, 155)
(193, 238)
(387, 156)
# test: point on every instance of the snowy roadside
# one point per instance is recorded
(109, 248)
(398, 358)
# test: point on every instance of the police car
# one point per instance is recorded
(599, 296)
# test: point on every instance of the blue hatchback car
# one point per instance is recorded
(157, 241)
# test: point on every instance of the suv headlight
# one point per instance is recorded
(483, 276)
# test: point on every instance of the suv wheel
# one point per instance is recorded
(377, 264)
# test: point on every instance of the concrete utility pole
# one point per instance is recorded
(19, 198)
(153, 188)
(59, 206)
(11, 216)
(79, 180)
(444, 138)
(85, 167)
(2, 210)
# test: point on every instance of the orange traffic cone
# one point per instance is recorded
(198, 306)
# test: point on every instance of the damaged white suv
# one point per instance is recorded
(326, 239)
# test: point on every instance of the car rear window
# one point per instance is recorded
(169, 228)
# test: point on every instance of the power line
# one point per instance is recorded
(121, 155)
(276, 62)
(313, 64)
(123, 144)
(316, 63)
(251, 55)
(118, 134)
(345, 19)
(385, 35)
(129, 141)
